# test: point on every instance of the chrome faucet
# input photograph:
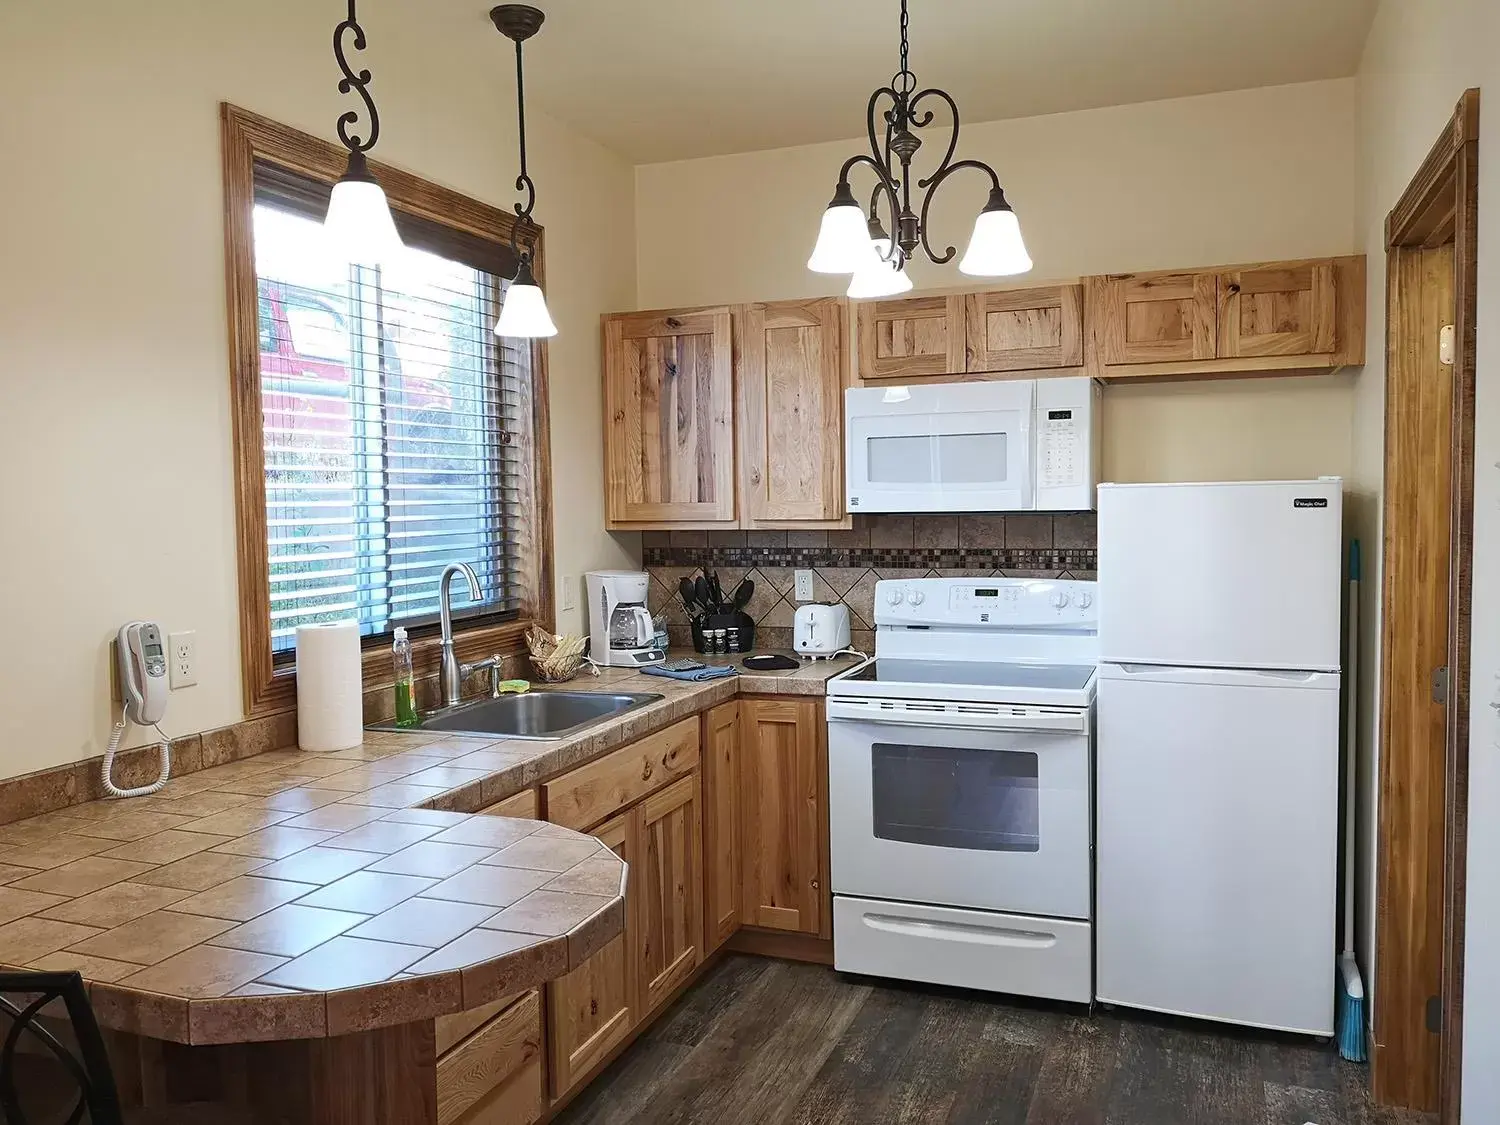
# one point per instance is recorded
(452, 673)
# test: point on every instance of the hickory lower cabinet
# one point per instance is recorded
(723, 819)
(489, 1063)
(645, 802)
(783, 786)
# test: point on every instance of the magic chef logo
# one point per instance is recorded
(1310, 502)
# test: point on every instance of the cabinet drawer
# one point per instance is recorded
(517, 1101)
(594, 792)
(523, 804)
(483, 1061)
(453, 1030)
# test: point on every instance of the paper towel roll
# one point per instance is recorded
(330, 707)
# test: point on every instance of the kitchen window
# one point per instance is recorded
(383, 429)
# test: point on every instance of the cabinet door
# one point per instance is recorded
(594, 1007)
(782, 814)
(1024, 329)
(669, 878)
(1278, 310)
(912, 338)
(668, 404)
(791, 409)
(1156, 318)
(721, 824)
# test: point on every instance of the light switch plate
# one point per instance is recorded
(182, 649)
(803, 590)
(569, 591)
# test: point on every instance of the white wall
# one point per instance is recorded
(112, 319)
(1419, 58)
(1244, 176)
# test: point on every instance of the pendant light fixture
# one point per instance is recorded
(524, 312)
(849, 243)
(358, 223)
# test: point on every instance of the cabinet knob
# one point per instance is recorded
(1234, 287)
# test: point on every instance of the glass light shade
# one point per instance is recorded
(882, 279)
(995, 248)
(524, 312)
(843, 244)
(359, 224)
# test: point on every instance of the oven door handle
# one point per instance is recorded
(961, 716)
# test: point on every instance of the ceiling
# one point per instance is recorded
(672, 79)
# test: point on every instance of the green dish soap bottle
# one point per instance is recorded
(406, 706)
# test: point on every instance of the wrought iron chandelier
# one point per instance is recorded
(524, 313)
(358, 222)
(851, 242)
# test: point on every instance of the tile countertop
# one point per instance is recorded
(294, 896)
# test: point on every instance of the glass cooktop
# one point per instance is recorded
(976, 673)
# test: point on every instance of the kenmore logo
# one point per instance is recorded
(1310, 502)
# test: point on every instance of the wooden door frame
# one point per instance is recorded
(1441, 205)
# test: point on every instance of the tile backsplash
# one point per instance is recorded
(847, 564)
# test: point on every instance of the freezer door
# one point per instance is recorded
(1217, 844)
(1244, 575)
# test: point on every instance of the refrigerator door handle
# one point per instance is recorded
(1249, 677)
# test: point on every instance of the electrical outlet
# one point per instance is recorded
(569, 591)
(183, 650)
(803, 591)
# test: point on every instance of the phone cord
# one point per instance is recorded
(165, 746)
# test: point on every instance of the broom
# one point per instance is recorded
(1351, 1006)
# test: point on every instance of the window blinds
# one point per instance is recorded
(392, 416)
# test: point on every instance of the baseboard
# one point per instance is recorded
(779, 943)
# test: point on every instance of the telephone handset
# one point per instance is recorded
(143, 672)
(142, 660)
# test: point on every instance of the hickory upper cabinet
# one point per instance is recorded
(669, 418)
(791, 375)
(1036, 331)
(718, 418)
(1235, 320)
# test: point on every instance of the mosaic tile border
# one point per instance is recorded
(875, 558)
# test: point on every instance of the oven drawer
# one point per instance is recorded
(1014, 953)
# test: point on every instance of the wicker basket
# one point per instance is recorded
(556, 659)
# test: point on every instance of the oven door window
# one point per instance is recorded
(950, 797)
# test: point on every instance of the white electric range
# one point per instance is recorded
(960, 765)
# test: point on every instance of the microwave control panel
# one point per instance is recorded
(1065, 426)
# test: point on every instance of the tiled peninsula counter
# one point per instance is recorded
(350, 922)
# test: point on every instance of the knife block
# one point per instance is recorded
(740, 621)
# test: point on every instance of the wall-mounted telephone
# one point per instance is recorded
(143, 672)
(142, 660)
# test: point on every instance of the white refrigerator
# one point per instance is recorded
(1218, 750)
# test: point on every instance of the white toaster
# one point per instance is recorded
(820, 630)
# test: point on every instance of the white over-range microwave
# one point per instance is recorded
(1005, 446)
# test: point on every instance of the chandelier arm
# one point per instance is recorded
(357, 81)
(936, 181)
(871, 110)
(895, 255)
(943, 164)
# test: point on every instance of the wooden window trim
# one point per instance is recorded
(248, 137)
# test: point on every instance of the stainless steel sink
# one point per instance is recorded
(534, 715)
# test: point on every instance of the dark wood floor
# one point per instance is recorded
(760, 1042)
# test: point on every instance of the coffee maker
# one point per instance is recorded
(620, 629)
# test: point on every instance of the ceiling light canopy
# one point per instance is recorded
(524, 312)
(849, 242)
(359, 224)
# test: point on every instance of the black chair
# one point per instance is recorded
(81, 1069)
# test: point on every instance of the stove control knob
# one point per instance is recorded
(894, 597)
(1059, 600)
(1085, 600)
(916, 597)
